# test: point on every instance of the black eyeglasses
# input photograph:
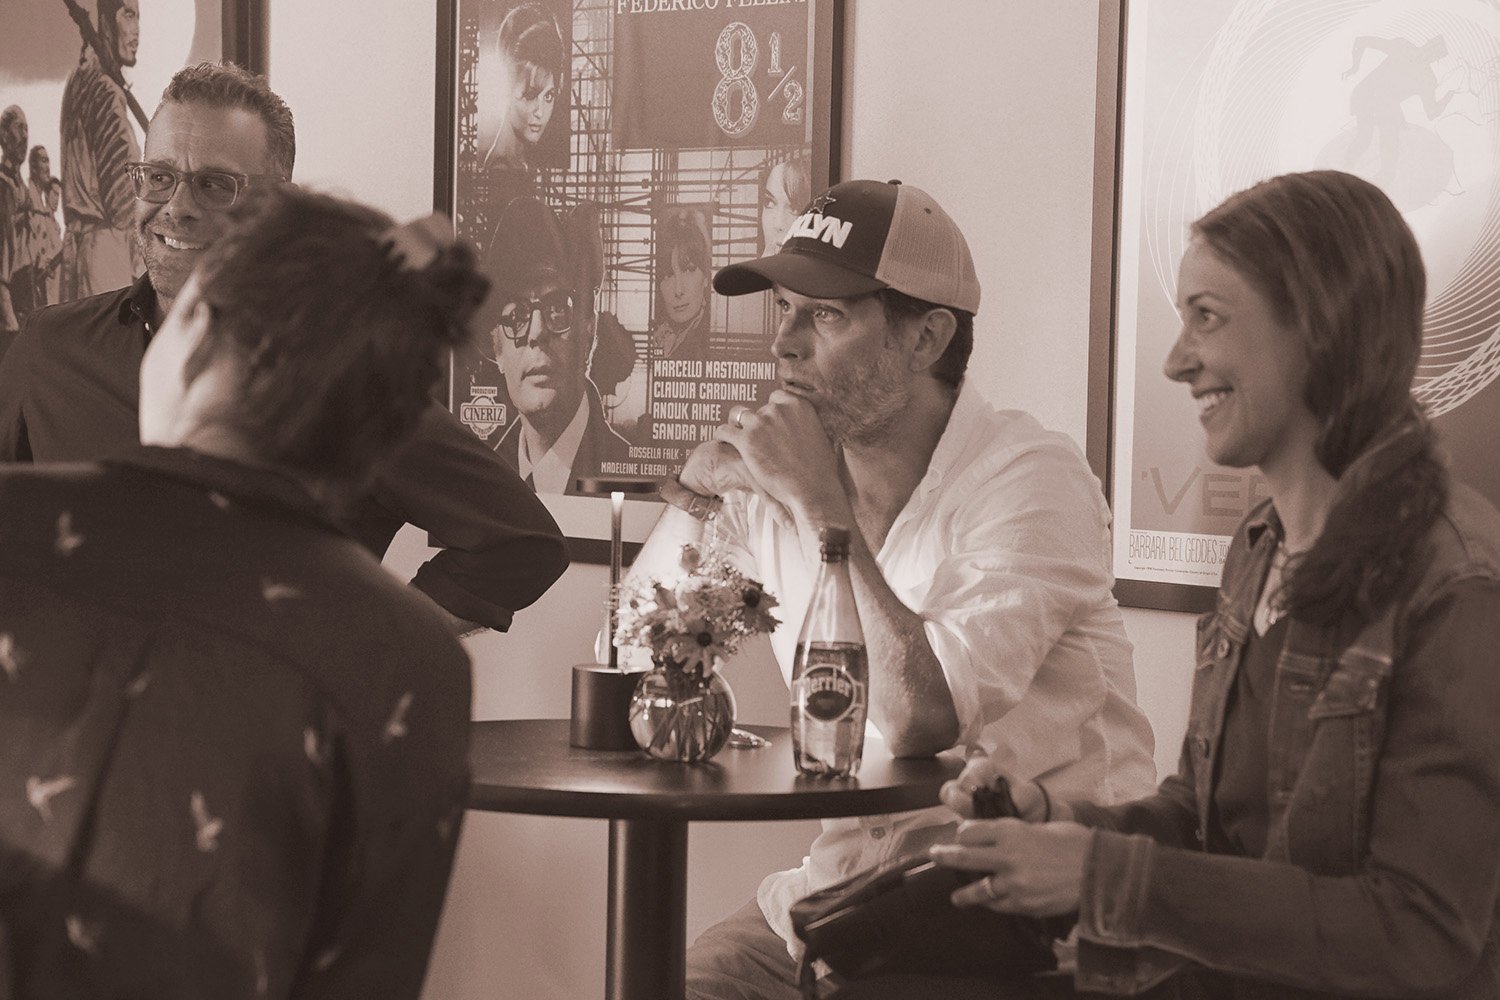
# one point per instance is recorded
(156, 183)
(556, 308)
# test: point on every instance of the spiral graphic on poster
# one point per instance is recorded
(1403, 93)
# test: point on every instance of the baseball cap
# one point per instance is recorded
(860, 236)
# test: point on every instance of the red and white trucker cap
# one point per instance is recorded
(860, 236)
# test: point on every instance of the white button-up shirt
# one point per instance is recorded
(1004, 550)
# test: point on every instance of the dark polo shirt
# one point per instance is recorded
(69, 391)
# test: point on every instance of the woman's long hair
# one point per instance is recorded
(1341, 267)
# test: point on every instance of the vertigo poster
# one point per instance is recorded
(1219, 94)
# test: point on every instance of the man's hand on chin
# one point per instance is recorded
(715, 468)
(789, 456)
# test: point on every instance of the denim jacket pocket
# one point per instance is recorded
(1354, 687)
(1327, 819)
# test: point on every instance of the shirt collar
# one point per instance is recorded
(1261, 520)
(255, 486)
(962, 420)
(139, 305)
(556, 463)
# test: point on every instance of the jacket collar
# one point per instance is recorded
(262, 487)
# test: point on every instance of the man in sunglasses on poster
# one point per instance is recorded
(540, 314)
(69, 383)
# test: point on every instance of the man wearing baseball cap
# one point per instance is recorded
(979, 543)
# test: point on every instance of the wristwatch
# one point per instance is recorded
(703, 508)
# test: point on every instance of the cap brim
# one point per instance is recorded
(799, 272)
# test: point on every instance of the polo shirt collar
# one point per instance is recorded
(139, 305)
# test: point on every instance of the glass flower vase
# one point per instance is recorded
(682, 715)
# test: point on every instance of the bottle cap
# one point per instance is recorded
(834, 541)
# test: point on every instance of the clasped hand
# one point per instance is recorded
(1033, 868)
(780, 452)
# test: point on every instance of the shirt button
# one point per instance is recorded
(1221, 649)
(878, 832)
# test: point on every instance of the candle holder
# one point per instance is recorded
(600, 714)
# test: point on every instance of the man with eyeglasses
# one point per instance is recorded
(69, 384)
(541, 320)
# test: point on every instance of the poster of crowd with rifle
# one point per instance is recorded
(78, 79)
(606, 157)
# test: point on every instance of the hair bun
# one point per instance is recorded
(454, 279)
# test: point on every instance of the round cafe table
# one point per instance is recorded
(527, 766)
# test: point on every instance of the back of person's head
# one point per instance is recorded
(336, 339)
(1334, 257)
(1340, 265)
(529, 37)
(225, 85)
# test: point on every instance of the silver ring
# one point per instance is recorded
(990, 890)
(737, 416)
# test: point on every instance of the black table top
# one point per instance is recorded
(527, 766)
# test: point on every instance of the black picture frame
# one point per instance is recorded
(586, 520)
(1104, 302)
(247, 34)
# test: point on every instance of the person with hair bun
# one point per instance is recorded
(235, 754)
(1333, 828)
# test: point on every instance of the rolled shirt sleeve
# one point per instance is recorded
(500, 548)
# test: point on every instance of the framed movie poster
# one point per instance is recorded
(607, 157)
(1213, 96)
(78, 79)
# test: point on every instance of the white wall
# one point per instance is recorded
(987, 105)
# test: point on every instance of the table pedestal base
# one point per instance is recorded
(646, 934)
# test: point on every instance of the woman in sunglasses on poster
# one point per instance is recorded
(1334, 825)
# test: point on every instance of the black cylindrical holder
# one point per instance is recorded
(600, 718)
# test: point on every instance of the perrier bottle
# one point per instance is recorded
(830, 676)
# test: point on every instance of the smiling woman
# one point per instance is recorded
(1340, 757)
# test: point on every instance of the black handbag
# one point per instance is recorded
(896, 918)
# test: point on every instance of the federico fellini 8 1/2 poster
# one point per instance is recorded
(1219, 94)
(610, 155)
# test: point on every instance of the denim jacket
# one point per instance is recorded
(1382, 864)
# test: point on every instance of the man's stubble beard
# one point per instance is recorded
(864, 408)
